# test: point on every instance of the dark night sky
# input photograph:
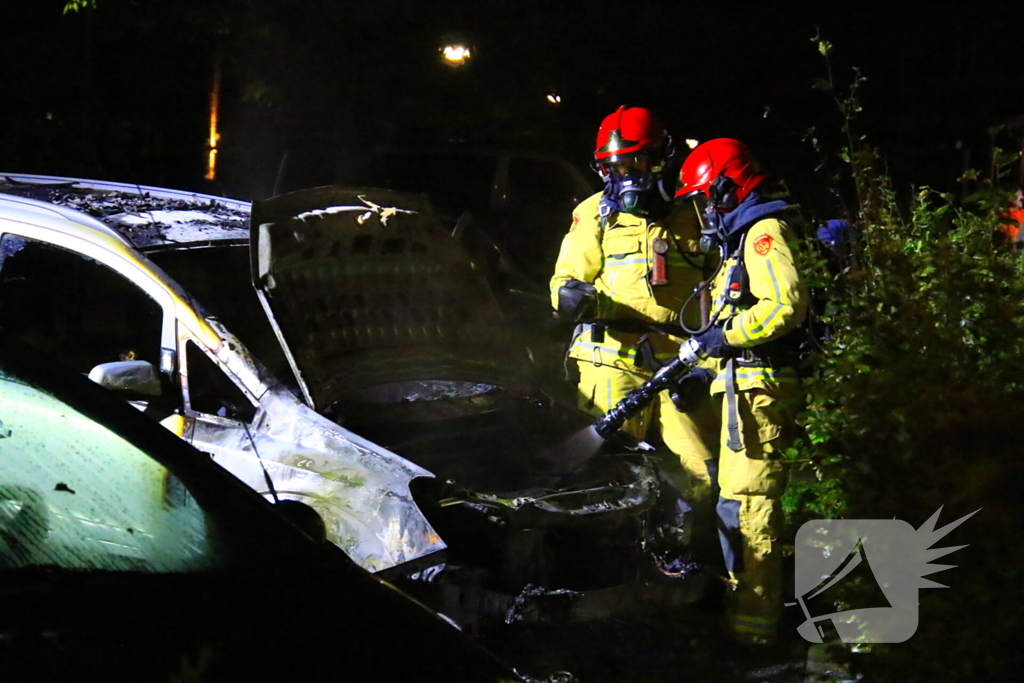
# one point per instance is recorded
(121, 93)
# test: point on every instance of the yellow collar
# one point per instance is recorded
(620, 220)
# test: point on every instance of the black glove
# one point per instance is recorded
(688, 389)
(577, 300)
(712, 343)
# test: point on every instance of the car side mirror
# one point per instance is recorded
(134, 376)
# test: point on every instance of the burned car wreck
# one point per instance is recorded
(77, 289)
(371, 355)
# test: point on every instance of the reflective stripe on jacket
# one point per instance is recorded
(776, 304)
(617, 259)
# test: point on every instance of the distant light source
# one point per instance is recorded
(691, 143)
(455, 54)
(554, 98)
(211, 158)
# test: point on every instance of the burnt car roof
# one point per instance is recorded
(149, 218)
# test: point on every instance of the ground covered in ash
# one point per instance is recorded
(672, 645)
(649, 633)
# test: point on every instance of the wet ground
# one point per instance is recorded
(657, 645)
(657, 630)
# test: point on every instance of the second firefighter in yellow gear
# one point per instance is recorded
(758, 301)
(758, 394)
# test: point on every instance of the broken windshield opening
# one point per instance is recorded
(72, 308)
(219, 277)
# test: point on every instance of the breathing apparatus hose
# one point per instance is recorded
(703, 287)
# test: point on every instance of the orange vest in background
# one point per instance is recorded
(1009, 229)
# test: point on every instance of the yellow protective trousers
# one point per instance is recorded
(751, 482)
(685, 434)
(758, 404)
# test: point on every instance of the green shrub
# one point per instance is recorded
(916, 403)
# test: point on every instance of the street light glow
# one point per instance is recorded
(691, 143)
(211, 159)
(554, 98)
(456, 55)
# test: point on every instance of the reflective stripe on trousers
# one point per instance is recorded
(752, 624)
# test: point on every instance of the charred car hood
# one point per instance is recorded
(392, 332)
(364, 287)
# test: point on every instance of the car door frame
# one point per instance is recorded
(174, 330)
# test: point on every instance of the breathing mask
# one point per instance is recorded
(633, 184)
(710, 207)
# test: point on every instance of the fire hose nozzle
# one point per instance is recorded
(690, 352)
(638, 399)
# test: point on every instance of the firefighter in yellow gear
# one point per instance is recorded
(627, 264)
(757, 303)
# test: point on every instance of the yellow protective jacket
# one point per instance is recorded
(775, 306)
(617, 259)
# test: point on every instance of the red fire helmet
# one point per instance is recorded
(630, 131)
(718, 157)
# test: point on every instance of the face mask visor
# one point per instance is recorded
(701, 206)
(632, 178)
(631, 171)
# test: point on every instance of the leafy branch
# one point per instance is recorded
(78, 5)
